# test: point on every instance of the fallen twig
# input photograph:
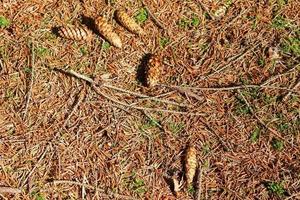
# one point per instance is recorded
(144, 108)
(232, 88)
(79, 99)
(280, 75)
(155, 20)
(206, 9)
(199, 183)
(100, 191)
(92, 82)
(28, 96)
(274, 132)
(36, 165)
(285, 98)
(10, 190)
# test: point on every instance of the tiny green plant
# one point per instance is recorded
(149, 124)
(185, 23)
(137, 185)
(4, 23)
(241, 107)
(261, 62)
(176, 127)
(105, 45)
(279, 22)
(276, 188)
(291, 46)
(42, 51)
(195, 21)
(277, 144)
(255, 135)
(83, 51)
(37, 196)
(28, 70)
(163, 42)
(141, 16)
(206, 149)
(191, 190)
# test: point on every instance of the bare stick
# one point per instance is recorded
(143, 108)
(143, 96)
(199, 183)
(91, 81)
(79, 99)
(285, 98)
(280, 75)
(232, 88)
(10, 190)
(155, 20)
(28, 96)
(36, 165)
(274, 132)
(206, 9)
(232, 59)
(114, 195)
(80, 76)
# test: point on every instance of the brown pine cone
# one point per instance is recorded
(125, 20)
(190, 164)
(75, 33)
(153, 71)
(106, 30)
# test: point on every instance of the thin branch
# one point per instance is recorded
(29, 92)
(199, 182)
(232, 59)
(36, 165)
(143, 96)
(205, 9)
(80, 76)
(92, 82)
(280, 75)
(285, 98)
(155, 20)
(231, 88)
(274, 132)
(10, 190)
(143, 108)
(78, 100)
(100, 191)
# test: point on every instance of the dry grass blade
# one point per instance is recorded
(155, 20)
(199, 183)
(29, 92)
(10, 190)
(274, 132)
(35, 166)
(144, 108)
(286, 97)
(100, 191)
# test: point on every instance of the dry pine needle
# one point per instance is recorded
(125, 20)
(106, 30)
(75, 33)
(190, 164)
(153, 71)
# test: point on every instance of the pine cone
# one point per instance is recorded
(75, 33)
(190, 164)
(106, 30)
(153, 71)
(129, 23)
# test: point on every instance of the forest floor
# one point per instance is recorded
(229, 86)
